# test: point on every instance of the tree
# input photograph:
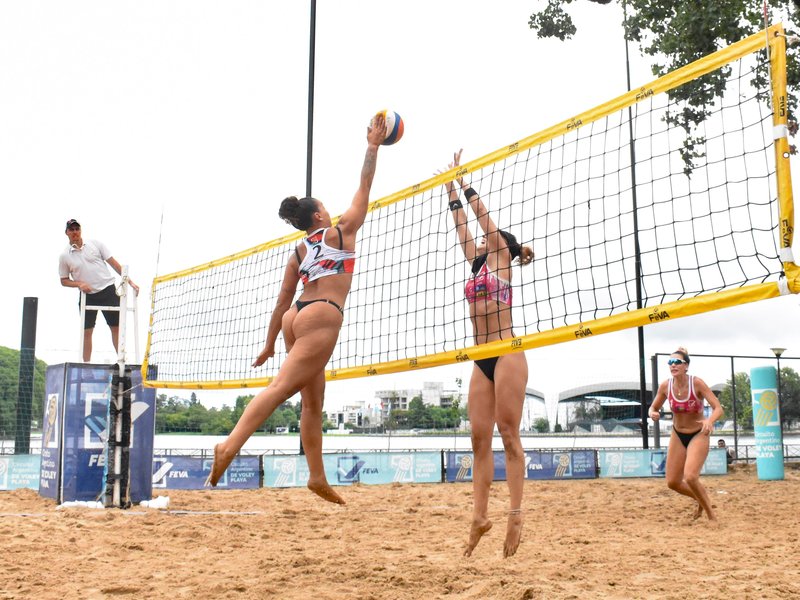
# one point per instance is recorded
(790, 396)
(241, 404)
(541, 425)
(744, 401)
(9, 380)
(417, 413)
(677, 32)
(587, 411)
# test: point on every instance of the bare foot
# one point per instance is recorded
(698, 512)
(513, 533)
(324, 490)
(221, 462)
(479, 527)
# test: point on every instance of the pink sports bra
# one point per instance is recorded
(485, 285)
(692, 404)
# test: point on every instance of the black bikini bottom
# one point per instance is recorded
(487, 365)
(302, 304)
(685, 438)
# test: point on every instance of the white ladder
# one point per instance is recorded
(124, 308)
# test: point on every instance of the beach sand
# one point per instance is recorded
(622, 538)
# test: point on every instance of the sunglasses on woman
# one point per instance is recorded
(676, 361)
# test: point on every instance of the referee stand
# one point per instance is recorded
(116, 473)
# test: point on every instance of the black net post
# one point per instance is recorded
(27, 360)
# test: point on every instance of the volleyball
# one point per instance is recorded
(394, 127)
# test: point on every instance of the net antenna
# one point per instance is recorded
(714, 216)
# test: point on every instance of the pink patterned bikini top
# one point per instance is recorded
(692, 404)
(485, 285)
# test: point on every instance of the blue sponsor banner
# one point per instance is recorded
(767, 423)
(572, 464)
(716, 462)
(458, 466)
(74, 433)
(20, 471)
(190, 473)
(345, 469)
(50, 464)
(652, 463)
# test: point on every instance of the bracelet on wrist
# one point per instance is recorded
(469, 193)
(456, 204)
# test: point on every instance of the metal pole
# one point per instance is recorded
(778, 352)
(654, 388)
(780, 404)
(83, 319)
(310, 133)
(733, 401)
(312, 35)
(27, 363)
(637, 252)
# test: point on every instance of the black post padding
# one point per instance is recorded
(119, 384)
(125, 483)
(27, 361)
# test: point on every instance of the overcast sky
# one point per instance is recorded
(172, 130)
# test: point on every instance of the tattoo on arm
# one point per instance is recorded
(368, 170)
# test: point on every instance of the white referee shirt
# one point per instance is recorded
(87, 264)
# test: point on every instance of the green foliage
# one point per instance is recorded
(744, 402)
(789, 400)
(541, 425)
(9, 379)
(175, 414)
(790, 396)
(678, 32)
(416, 413)
(587, 411)
(327, 423)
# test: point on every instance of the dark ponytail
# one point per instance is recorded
(523, 253)
(298, 213)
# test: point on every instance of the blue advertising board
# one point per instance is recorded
(74, 433)
(571, 464)
(653, 462)
(50, 465)
(20, 471)
(349, 468)
(190, 473)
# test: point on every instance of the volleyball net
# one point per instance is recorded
(708, 203)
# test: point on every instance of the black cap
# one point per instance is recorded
(73, 223)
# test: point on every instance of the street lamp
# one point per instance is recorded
(777, 352)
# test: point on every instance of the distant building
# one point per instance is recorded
(432, 394)
(533, 409)
(354, 414)
(610, 407)
(606, 407)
